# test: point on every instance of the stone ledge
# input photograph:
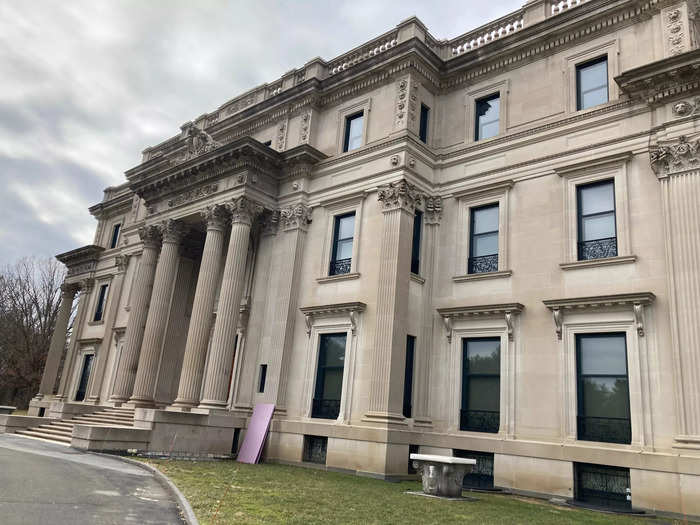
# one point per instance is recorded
(595, 263)
(341, 277)
(10, 423)
(482, 276)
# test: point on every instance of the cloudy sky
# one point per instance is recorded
(85, 85)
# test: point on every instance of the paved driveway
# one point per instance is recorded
(43, 483)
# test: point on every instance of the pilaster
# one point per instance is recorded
(141, 293)
(157, 318)
(677, 165)
(199, 329)
(398, 201)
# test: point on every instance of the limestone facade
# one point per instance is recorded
(214, 258)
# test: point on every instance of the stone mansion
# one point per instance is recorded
(485, 247)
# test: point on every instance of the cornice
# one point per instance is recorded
(664, 79)
(505, 310)
(81, 260)
(349, 309)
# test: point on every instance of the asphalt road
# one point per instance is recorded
(45, 483)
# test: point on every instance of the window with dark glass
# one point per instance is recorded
(315, 448)
(481, 475)
(99, 309)
(408, 376)
(603, 388)
(84, 377)
(592, 83)
(343, 232)
(115, 236)
(415, 248)
(487, 116)
(263, 377)
(353, 131)
(597, 236)
(329, 376)
(423, 128)
(602, 486)
(483, 239)
(481, 384)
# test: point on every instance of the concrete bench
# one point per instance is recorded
(442, 475)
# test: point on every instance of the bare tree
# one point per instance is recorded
(30, 294)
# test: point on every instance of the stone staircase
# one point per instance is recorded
(60, 430)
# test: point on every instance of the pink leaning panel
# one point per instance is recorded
(256, 433)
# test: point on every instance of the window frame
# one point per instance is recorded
(361, 106)
(580, 405)
(472, 236)
(580, 67)
(114, 242)
(344, 205)
(337, 219)
(467, 376)
(598, 49)
(580, 216)
(477, 123)
(408, 377)
(318, 378)
(613, 167)
(100, 304)
(348, 126)
(262, 378)
(424, 123)
(416, 241)
(502, 89)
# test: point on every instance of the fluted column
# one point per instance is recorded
(141, 294)
(58, 340)
(199, 330)
(157, 319)
(86, 286)
(397, 201)
(216, 382)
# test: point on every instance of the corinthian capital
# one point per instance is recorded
(150, 236)
(171, 230)
(244, 210)
(69, 289)
(216, 217)
(675, 156)
(295, 216)
(399, 195)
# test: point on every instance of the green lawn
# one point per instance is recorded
(229, 492)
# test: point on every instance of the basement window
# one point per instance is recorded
(315, 448)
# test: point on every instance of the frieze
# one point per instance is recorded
(198, 142)
(669, 157)
(194, 194)
(281, 135)
(304, 129)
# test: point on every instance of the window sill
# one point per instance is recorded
(341, 277)
(417, 278)
(594, 263)
(482, 276)
(95, 323)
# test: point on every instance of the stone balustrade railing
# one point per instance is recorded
(564, 5)
(363, 52)
(486, 34)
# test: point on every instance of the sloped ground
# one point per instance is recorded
(229, 492)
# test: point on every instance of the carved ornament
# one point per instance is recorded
(686, 109)
(243, 210)
(150, 236)
(349, 309)
(216, 216)
(432, 214)
(295, 216)
(505, 311)
(171, 230)
(122, 262)
(198, 142)
(400, 194)
(194, 194)
(675, 156)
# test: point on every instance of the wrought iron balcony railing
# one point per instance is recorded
(605, 429)
(340, 266)
(483, 264)
(325, 408)
(597, 249)
(479, 420)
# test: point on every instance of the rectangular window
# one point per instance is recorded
(597, 237)
(415, 249)
(602, 486)
(343, 232)
(263, 376)
(329, 376)
(487, 117)
(115, 236)
(483, 239)
(99, 309)
(592, 83)
(481, 384)
(423, 129)
(353, 131)
(315, 448)
(408, 376)
(84, 377)
(603, 388)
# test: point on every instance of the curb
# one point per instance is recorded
(186, 511)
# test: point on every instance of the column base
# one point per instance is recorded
(208, 405)
(423, 422)
(385, 418)
(136, 402)
(181, 406)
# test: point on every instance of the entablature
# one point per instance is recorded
(82, 260)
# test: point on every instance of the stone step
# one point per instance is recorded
(48, 429)
(44, 435)
(113, 416)
(103, 419)
(61, 424)
(92, 422)
(128, 411)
